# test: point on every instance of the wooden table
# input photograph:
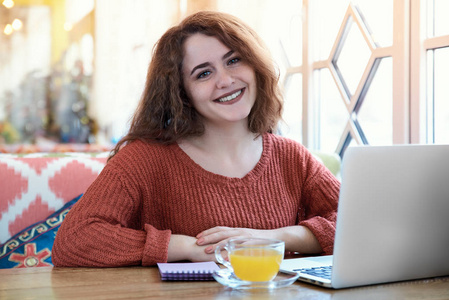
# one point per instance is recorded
(145, 283)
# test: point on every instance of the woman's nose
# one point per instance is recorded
(224, 79)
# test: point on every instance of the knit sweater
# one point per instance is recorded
(147, 192)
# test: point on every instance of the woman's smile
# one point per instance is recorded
(232, 98)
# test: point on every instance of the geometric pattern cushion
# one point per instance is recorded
(35, 185)
(32, 246)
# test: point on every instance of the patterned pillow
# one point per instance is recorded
(32, 246)
(35, 185)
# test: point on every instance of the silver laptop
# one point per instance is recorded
(393, 218)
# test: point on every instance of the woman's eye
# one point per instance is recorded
(233, 60)
(203, 74)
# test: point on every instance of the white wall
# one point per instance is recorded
(126, 31)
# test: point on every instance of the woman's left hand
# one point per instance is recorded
(220, 235)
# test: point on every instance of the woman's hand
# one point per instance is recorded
(183, 247)
(220, 235)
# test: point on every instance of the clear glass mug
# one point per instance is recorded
(252, 259)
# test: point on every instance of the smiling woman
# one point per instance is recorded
(201, 163)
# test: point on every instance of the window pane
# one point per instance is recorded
(376, 112)
(326, 19)
(328, 16)
(291, 37)
(441, 20)
(353, 58)
(292, 125)
(378, 16)
(441, 94)
(333, 112)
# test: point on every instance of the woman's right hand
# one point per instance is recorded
(183, 247)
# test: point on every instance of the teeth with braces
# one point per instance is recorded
(230, 97)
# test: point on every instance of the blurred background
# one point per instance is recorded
(352, 72)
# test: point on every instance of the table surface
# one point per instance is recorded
(145, 283)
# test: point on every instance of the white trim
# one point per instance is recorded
(401, 71)
(418, 132)
(340, 87)
(362, 83)
(321, 64)
(436, 42)
(308, 137)
(383, 52)
(293, 70)
(363, 29)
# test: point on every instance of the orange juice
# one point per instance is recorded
(256, 264)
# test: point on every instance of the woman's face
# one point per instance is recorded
(221, 86)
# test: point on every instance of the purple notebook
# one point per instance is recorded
(187, 271)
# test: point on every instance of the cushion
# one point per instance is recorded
(331, 160)
(32, 246)
(35, 185)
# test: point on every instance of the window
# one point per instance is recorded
(374, 73)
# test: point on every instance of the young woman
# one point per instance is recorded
(201, 163)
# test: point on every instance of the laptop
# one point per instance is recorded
(392, 222)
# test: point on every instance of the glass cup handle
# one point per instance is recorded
(220, 258)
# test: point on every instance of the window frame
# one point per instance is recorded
(408, 53)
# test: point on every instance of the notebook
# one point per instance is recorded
(187, 271)
(393, 218)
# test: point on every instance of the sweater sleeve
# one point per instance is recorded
(104, 230)
(320, 203)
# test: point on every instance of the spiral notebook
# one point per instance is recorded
(188, 271)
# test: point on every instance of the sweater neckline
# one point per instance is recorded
(252, 175)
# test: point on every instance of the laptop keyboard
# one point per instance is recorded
(323, 272)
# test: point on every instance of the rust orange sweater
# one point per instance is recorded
(147, 192)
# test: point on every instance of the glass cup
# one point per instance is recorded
(252, 259)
